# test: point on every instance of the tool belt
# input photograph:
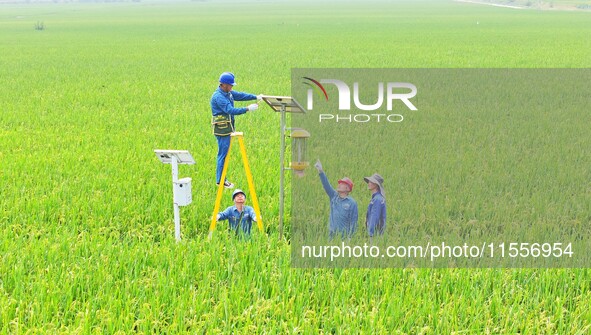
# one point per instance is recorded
(222, 125)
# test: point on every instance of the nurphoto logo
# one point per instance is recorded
(394, 91)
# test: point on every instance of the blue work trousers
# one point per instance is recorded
(223, 147)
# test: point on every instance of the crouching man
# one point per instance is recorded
(239, 216)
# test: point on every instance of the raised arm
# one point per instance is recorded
(222, 104)
(241, 96)
(327, 187)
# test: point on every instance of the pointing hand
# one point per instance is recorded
(318, 165)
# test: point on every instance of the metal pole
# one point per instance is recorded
(281, 180)
(177, 223)
(177, 215)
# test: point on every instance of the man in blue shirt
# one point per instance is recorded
(375, 219)
(223, 112)
(239, 216)
(343, 209)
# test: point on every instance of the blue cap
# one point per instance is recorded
(227, 78)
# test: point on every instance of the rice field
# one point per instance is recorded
(86, 224)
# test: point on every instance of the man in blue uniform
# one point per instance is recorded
(343, 209)
(223, 112)
(375, 219)
(239, 216)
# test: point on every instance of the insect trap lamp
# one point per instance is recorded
(299, 161)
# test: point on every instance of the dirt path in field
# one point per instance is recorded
(540, 5)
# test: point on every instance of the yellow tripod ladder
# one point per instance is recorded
(218, 199)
